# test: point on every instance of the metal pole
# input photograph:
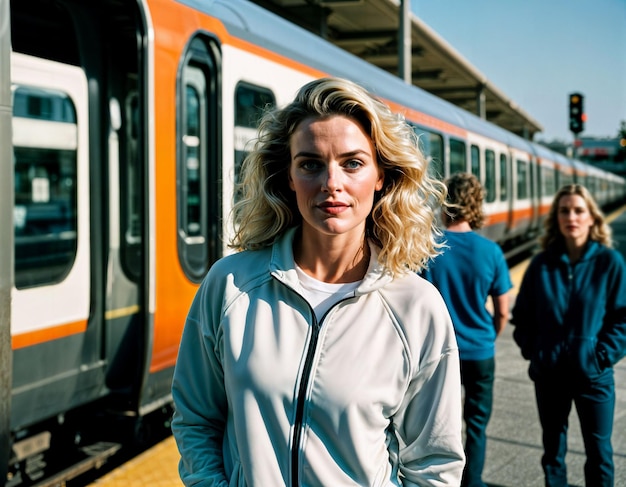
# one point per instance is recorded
(6, 238)
(481, 102)
(404, 42)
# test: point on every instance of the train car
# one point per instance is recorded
(129, 123)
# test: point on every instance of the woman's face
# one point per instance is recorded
(575, 220)
(334, 174)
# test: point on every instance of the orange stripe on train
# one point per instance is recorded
(47, 334)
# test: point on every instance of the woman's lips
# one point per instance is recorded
(333, 208)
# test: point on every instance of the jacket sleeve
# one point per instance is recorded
(612, 338)
(429, 422)
(200, 405)
(522, 315)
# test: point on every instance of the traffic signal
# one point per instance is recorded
(576, 113)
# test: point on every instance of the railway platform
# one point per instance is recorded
(514, 435)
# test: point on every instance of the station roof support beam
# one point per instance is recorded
(481, 102)
(405, 44)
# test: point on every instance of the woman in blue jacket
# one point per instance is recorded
(570, 322)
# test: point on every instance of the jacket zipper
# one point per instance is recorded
(304, 382)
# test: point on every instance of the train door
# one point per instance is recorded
(79, 145)
(548, 171)
(504, 163)
(535, 193)
(124, 330)
(522, 211)
(52, 266)
(486, 167)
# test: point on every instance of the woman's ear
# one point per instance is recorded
(381, 180)
(290, 181)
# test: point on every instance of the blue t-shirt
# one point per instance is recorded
(470, 269)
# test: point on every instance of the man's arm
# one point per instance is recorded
(500, 312)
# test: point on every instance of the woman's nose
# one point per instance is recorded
(331, 181)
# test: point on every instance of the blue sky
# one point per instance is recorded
(538, 51)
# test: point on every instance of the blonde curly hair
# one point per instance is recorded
(402, 221)
(600, 230)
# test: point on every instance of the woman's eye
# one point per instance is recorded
(353, 164)
(310, 165)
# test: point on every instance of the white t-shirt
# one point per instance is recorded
(322, 295)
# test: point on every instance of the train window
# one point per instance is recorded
(431, 145)
(475, 156)
(548, 181)
(435, 144)
(457, 156)
(250, 103)
(423, 140)
(131, 190)
(565, 178)
(198, 191)
(504, 177)
(423, 143)
(194, 98)
(490, 175)
(45, 163)
(522, 180)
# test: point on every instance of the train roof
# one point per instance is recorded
(259, 26)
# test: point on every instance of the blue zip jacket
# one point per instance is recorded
(571, 318)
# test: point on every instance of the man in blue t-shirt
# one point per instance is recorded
(471, 269)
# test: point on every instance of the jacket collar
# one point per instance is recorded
(282, 265)
(591, 250)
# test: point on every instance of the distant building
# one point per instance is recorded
(591, 149)
(606, 153)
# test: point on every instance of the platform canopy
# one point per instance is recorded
(370, 29)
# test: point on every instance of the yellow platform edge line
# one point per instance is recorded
(155, 467)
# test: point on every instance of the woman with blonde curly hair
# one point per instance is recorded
(314, 355)
(471, 270)
(570, 322)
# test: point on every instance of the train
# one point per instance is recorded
(123, 125)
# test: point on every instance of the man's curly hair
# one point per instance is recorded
(464, 201)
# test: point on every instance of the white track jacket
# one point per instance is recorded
(267, 396)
